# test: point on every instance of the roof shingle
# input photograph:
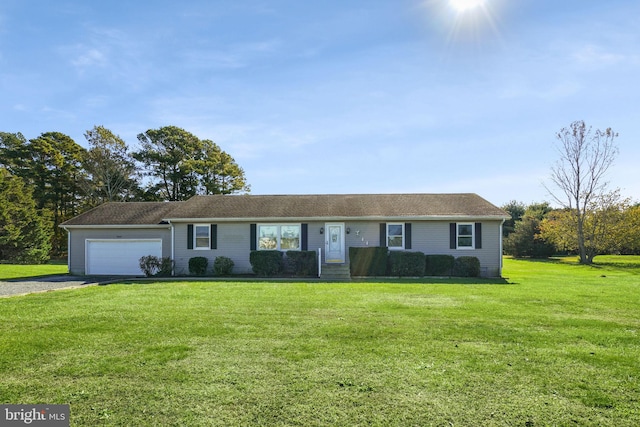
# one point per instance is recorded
(329, 206)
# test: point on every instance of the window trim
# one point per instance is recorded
(403, 236)
(195, 237)
(279, 226)
(473, 236)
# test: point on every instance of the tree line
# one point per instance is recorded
(539, 231)
(48, 179)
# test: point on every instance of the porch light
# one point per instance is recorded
(321, 230)
(348, 230)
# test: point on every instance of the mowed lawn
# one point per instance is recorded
(553, 344)
(20, 271)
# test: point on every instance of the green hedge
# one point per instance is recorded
(369, 261)
(439, 265)
(466, 266)
(198, 266)
(405, 263)
(223, 266)
(267, 263)
(303, 263)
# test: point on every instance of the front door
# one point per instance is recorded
(334, 243)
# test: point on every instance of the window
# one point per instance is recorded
(201, 236)
(395, 236)
(282, 237)
(465, 236)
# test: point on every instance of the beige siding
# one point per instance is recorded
(78, 237)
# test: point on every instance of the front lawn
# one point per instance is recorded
(21, 271)
(556, 345)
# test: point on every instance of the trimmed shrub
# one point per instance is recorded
(466, 266)
(198, 266)
(439, 265)
(166, 267)
(405, 263)
(303, 263)
(223, 266)
(154, 266)
(266, 263)
(369, 261)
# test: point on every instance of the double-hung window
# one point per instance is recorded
(395, 235)
(201, 236)
(282, 237)
(465, 235)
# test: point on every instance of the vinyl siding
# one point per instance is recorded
(79, 236)
(432, 238)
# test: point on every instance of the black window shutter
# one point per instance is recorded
(407, 235)
(303, 237)
(478, 235)
(190, 236)
(383, 234)
(253, 237)
(214, 236)
(452, 235)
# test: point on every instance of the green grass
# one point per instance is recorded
(20, 271)
(555, 344)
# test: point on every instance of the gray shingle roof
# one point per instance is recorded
(125, 213)
(327, 206)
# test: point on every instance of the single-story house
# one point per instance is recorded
(111, 238)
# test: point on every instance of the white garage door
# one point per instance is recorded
(119, 257)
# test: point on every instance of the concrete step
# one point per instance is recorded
(335, 272)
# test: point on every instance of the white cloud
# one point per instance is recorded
(89, 57)
(595, 55)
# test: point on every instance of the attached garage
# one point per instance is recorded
(118, 256)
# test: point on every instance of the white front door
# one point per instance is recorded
(334, 243)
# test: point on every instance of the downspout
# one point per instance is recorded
(501, 238)
(68, 249)
(173, 253)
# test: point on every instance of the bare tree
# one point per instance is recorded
(579, 175)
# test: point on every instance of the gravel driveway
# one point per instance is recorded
(49, 283)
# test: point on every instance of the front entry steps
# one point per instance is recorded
(335, 272)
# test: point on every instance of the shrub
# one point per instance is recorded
(407, 263)
(198, 266)
(166, 267)
(303, 263)
(439, 265)
(154, 266)
(466, 266)
(223, 266)
(369, 261)
(266, 263)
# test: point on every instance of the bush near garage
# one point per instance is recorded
(198, 266)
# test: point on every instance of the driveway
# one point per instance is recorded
(48, 283)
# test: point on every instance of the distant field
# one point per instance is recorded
(18, 271)
(556, 343)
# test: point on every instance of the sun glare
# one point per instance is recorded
(465, 5)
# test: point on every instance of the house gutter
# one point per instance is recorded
(501, 238)
(68, 248)
(173, 248)
(342, 218)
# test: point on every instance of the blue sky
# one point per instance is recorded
(361, 96)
